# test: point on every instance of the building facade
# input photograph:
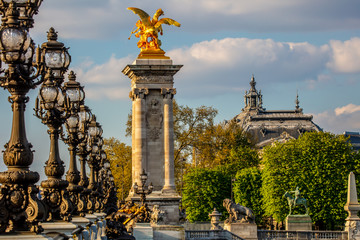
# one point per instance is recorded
(268, 126)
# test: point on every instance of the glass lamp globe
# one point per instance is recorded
(55, 54)
(92, 131)
(60, 99)
(143, 177)
(106, 165)
(74, 91)
(95, 148)
(49, 93)
(72, 121)
(84, 114)
(14, 42)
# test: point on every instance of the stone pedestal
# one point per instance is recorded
(83, 222)
(24, 236)
(298, 223)
(168, 232)
(143, 231)
(247, 231)
(59, 226)
(153, 132)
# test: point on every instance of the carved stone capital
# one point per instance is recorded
(168, 93)
(138, 93)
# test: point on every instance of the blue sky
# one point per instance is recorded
(309, 46)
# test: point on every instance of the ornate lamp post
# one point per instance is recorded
(76, 95)
(98, 166)
(143, 190)
(94, 132)
(20, 207)
(103, 179)
(51, 108)
(83, 147)
(53, 111)
(110, 198)
(84, 150)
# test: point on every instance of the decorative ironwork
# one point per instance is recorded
(83, 152)
(143, 190)
(21, 208)
(51, 107)
(95, 142)
(75, 94)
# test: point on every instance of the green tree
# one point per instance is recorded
(318, 163)
(189, 125)
(204, 190)
(225, 144)
(119, 155)
(247, 191)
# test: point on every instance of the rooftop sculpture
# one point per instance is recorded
(148, 30)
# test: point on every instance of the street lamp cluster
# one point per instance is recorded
(59, 103)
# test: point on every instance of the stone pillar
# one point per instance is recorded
(152, 92)
(352, 206)
(169, 164)
(138, 132)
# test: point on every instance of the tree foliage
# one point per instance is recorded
(247, 191)
(189, 125)
(318, 163)
(225, 144)
(119, 155)
(204, 190)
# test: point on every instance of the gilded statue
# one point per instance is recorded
(147, 30)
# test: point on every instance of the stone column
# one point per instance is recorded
(138, 132)
(152, 90)
(169, 164)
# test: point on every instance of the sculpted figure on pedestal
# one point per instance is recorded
(298, 200)
(238, 213)
(148, 29)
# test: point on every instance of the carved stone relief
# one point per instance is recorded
(154, 119)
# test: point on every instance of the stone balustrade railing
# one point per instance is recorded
(294, 235)
(210, 235)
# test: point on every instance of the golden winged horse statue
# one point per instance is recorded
(148, 30)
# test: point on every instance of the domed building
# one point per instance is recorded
(268, 126)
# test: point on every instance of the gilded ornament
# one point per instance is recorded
(148, 31)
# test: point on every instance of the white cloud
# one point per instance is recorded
(346, 56)
(105, 80)
(224, 66)
(348, 109)
(103, 19)
(341, 119)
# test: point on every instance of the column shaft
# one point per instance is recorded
(169, 172)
